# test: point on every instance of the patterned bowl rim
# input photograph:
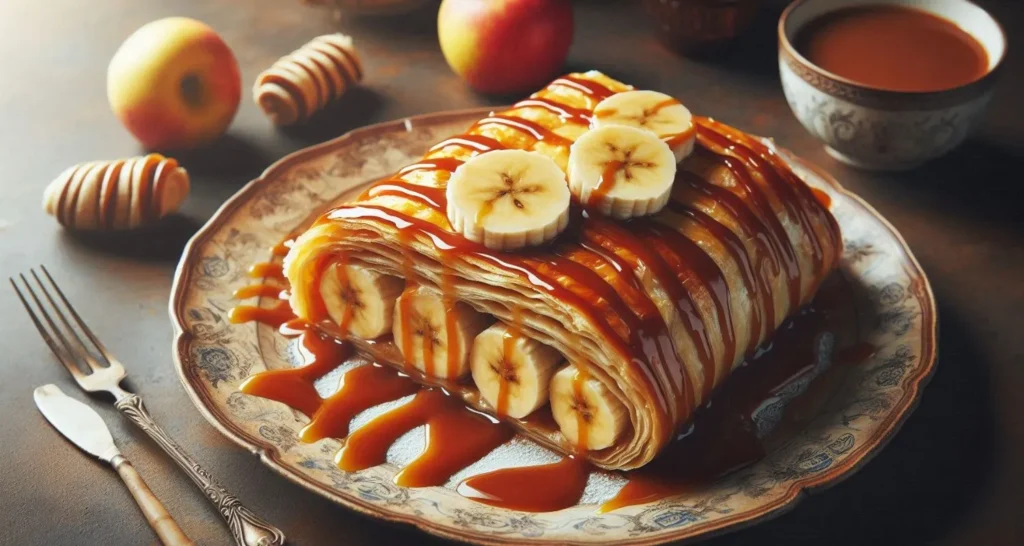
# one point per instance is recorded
(786, 502)
(888, 99)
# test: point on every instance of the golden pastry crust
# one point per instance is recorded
(660, 310)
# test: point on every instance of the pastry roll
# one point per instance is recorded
(602, 342)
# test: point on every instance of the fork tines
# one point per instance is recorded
(63, 329)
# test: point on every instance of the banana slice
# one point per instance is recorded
(621, 171)
(434, 335)
(512, 371)
(589, 416)
(361, 301)
(508, 199)
(656, 112)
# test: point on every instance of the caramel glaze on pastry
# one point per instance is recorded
(648, 316)
(117, 195)
(306, 80)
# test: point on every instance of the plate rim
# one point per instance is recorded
(793, 495)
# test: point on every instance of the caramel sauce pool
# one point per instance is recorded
(723, 437)
(894, 48)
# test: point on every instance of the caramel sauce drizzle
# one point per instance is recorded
(616, 240)
(341, 272)
(609, 112)
(361, 388)
(568, 114)
(539, 488)
(594, 91)
(523, 125)
(261, 290)
(693, 264)
(778, 237)
(446, 164)
(672, 140)
(766, 256)
(605, 183)
(579, 379)
(477, 143)
(449, 423)
(405, 301)
(448, 242)
(275, 316)
(450, 326)
(648, 331)
(269, 270)
(508, 342)
(679, 138)
(734, 246)
(793, 193)
(274, 285)
(428, 196)
(648, 338)
(281, 249)
(294, 386)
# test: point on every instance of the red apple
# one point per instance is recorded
(174, 83)
(505, 46)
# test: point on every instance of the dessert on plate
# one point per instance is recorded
(587, 266)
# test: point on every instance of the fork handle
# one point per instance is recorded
(247, 528)
(161, 522)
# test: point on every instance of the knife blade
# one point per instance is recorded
(76, 421)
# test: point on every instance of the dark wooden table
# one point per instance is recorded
(954, 474)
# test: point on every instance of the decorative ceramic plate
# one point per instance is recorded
(856, 407)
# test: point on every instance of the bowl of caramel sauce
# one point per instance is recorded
(888, 84)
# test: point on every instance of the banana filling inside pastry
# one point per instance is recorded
(595, 254)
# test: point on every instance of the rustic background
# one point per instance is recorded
(953, 475)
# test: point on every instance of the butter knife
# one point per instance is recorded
(85, 428)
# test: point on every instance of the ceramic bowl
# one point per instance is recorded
(874, 128)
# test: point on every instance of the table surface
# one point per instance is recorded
(953, 475)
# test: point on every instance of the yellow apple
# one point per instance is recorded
(505, 46)
(174, 84)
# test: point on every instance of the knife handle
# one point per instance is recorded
(247, 528)
(161, 521)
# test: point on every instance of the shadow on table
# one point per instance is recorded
(162, 242)
(980, 180)
(223, 160)
(354, 109)
(919, 486)
(418, 24)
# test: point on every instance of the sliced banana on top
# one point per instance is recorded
(512, 371)
(656, 112)
(508, 199)
(439, 334)
(359, 300)
(621, 171)
(589, 416)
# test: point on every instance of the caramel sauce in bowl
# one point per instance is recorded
(890, 84)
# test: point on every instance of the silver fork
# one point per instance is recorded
(105, 374)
